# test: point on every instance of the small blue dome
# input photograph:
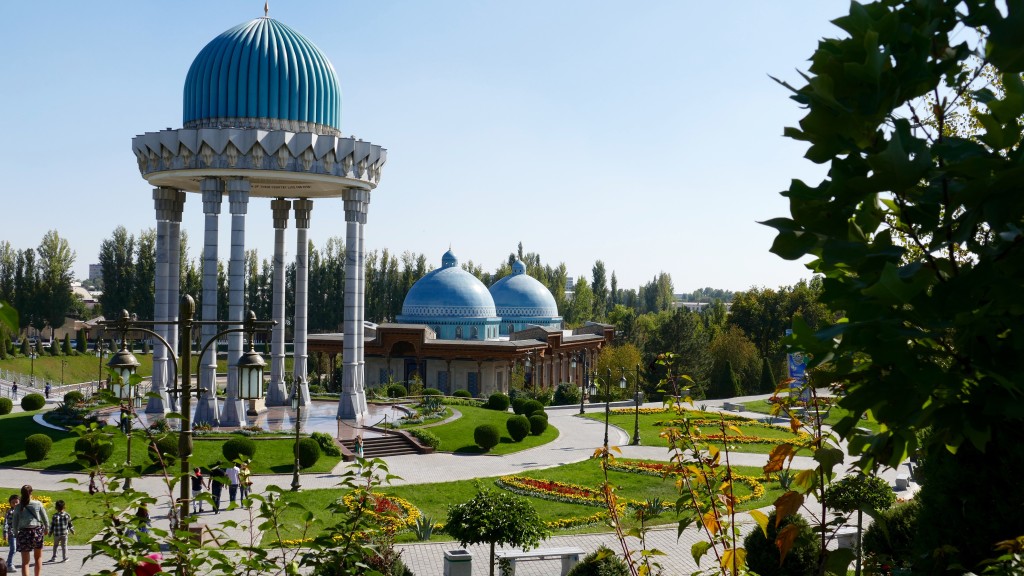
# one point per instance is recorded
(447, 293)
(520, 295)
(263, 74)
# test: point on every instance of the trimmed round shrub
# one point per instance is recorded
(542, 414)
(896, 540)
(397, 390)
(763, 555)
(519, 404)
(566, 394)
(32, 402)
(37, 446)
(6, 406)
(462, 394)
(860, 491)
(518, 427)
(309, 452)
(538, 424)
(498, 401)
(236, 448)
(326, 442)
(166, 448)
(431, 392)
(93, 453)
(608, 565)
(426, 437)
(532, 407)
(73, 397)
(486, 436)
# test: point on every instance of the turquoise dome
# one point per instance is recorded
(520, 295)
(262, 74)
(447, 293)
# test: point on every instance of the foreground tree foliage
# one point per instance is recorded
(918, 233)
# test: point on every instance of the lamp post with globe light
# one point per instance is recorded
(250, 372)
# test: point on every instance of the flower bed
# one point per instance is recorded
(392, 513)
(663, 469)
(801, 438)
(552, 490)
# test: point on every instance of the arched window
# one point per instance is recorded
(458, 332)
(475, 333)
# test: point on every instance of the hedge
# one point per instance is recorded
(486, 436)
(518, 427)
(238, 447)
(37, 446)
(498, 401)
(6, 406)
(538, 424)
(309, 452)
(32, 402)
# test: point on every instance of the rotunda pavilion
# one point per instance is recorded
(261, 119)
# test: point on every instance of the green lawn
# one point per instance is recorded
(79, 504)
(275, 455)
(85, 368)
(835, 414)
(652, 424)
(457, 435)
(433, 500)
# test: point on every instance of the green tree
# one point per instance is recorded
(494, 518)
(581, 305)
(66, 345)
(928, 334)
(599, 286)
(55, 261)
(118, 272)
(732, 346)
(81, 341)
(143, 293)
(767, 383)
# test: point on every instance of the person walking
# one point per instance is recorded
(60, 527)
(245, 480)
(232, 474)
(359, 446)
(217, 480)
(14, 390)
(10, 532)
(198, 485)
(47, 390)
(31, 522)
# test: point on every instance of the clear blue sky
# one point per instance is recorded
(646, 134)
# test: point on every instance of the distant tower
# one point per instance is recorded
(262, 119)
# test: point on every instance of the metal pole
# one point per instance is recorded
(607, 409)
(298, 420)
(186, 316)
(583, 381)
(636, 415)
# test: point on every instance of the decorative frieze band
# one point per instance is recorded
(254, 149)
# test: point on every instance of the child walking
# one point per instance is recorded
(60, 527)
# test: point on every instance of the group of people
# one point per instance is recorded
(237, 478)
(27, 523)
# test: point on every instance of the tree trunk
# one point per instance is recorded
(492, 558)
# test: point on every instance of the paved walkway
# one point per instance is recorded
(577, 440)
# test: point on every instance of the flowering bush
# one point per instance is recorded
(664, 469)
(392, 513)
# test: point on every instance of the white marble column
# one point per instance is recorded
(277, 393)
(233, 413)
(352, 404)
(361, 308)
(173, 289)
(163, 199)
(303, 207)
(208, 408)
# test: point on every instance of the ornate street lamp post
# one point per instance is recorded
(124, 365)
(607, 403)
(250, 374)
(101, 352)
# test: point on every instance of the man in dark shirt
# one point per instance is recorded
(198, 485)
(217, 481)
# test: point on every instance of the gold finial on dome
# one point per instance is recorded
(266, 9)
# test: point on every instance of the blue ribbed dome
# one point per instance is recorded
(446, 293)
(263, 74)
(519, 295)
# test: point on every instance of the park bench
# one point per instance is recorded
(902, 481)
(569, 557)
(846, 537)
(732, 407)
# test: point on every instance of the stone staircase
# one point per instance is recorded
(383, 446)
